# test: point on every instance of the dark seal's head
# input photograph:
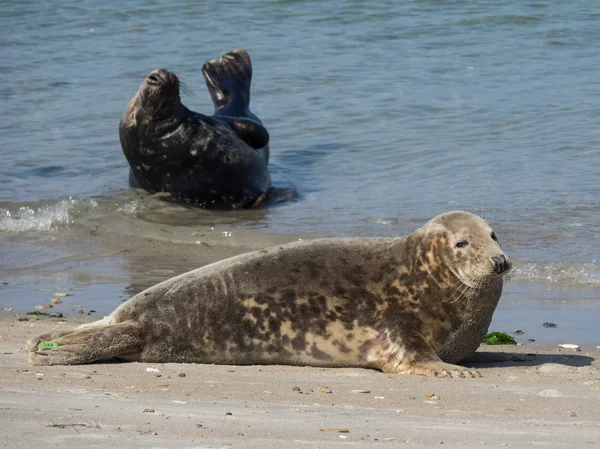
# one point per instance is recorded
(156, 99)
(158, 96)
(462, 267)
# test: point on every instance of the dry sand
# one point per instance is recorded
(528, 396)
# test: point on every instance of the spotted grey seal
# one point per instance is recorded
(415, 304)
(213, 162)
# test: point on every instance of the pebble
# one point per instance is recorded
(518, 332)
(152, 370)
(23, 318)
(180, 402)
(296, 389)
(429, 395)
(548, 324)
(181, 374)
(62, 295)
(157, 374)
(360, 391)
(40, 307)
(228, 414)
(55, 301)
(8, 309)
(550, 394)
(530, 339)
(334, 429)
(148, 410)
(379, 397)
(389, 439)
(324, 390)
(80, 311)
(55, 315)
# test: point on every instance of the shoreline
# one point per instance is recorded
(528, 395)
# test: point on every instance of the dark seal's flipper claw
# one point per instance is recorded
(251, 132)
(228, 80)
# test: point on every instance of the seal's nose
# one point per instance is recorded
(157, 76)
(501, 263)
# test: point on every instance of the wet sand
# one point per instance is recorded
(531, 395)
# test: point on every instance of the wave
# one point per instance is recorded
(43, 218)
(565, 273)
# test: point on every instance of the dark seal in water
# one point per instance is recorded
(213, 162)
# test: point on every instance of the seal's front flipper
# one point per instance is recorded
(86, 345)
(228, 80)
(439, 369)
(251, 132)
(418, 357)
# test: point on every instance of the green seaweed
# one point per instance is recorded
(499, 338)
(37, 313)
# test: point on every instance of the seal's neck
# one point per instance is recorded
(161, 110)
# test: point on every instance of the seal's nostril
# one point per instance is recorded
(153, 79)
(500, 263)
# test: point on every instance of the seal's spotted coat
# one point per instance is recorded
(413, 304)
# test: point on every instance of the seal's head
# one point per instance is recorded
(159, 93)
(460, 269)
(472, 247)
(461, 251)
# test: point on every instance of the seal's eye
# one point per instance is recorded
(462, 244)
(494, 238)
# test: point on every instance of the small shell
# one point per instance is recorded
(568, 346)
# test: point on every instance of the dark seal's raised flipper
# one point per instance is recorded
(228, 81)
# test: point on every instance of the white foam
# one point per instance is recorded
(44, 218)
(559, 273)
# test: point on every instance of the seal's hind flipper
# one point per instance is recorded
(228, 80)
(251, 132)
(86, 345)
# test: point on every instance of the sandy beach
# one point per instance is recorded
(529, 395)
